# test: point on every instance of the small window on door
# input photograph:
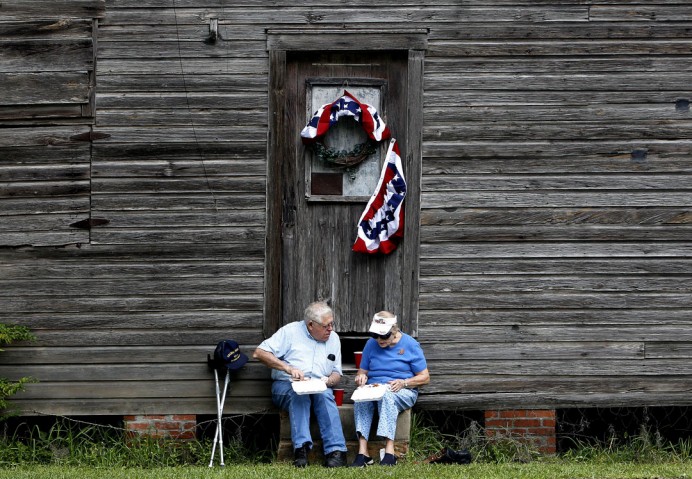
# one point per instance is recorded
(326, 177)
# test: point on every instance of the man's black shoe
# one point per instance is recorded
(300, 455)
(335, 459)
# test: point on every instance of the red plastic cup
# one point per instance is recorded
(358, 355)
(339, 396)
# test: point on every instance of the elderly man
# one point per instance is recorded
(308, 349)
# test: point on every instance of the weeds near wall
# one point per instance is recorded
(68, 442)
(646, 446)
(645, 434)
(74, 443)
(638, 443)
(10, 334)
(427, 439)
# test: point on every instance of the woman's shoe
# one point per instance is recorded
(362, 460)
(388, 460)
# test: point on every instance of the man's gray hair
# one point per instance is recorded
(315, 311)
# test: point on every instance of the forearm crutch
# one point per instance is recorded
(220, 401)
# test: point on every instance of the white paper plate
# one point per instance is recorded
(311, 386)
(369, 392)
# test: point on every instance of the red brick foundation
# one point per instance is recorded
(164, 426)
(534, 426)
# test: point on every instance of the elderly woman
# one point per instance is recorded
(394, 358)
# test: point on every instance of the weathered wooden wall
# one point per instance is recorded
(555, 235)
(126, 312)
(555, 257)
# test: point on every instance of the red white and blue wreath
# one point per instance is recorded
(381, 226)
(329, 114)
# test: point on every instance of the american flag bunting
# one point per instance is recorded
(381, 226)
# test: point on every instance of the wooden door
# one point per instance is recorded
(321, 204)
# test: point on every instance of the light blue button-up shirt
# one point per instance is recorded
(294, 345)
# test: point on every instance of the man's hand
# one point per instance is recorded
(332, 380)
(295, 373)
(271, 361)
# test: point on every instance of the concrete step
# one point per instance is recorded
(401, 440)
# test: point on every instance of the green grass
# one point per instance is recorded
(71, 450)
(549, 469)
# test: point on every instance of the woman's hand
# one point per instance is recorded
(361, 379)
(396, 385)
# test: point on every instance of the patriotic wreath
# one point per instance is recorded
(329, 114)
(342, 157)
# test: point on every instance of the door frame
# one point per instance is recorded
(279, 43)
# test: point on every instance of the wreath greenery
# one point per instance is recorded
(342, 157)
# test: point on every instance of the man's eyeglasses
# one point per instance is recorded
(325, 326)
(381, 336)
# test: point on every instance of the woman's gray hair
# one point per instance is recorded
(316, 311)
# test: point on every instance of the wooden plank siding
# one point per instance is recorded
(47, 73)
(555, 235)
(544, 222)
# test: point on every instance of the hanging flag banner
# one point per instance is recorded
(381, 225)
(348, 105)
